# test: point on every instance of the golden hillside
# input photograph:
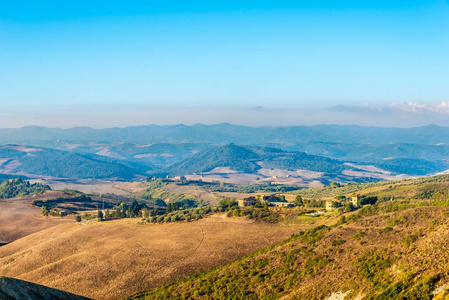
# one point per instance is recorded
(391, 250)
(18, 218)
(111, 260)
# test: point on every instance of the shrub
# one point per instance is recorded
(385, 230)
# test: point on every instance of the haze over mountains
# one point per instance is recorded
(229, 133)
(130, 152)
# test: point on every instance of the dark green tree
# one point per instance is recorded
(299, 201)
(45, 210)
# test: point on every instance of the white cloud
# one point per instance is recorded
(410, 108)
(441, 108)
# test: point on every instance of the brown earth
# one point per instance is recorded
(111, 260)
(18, 218)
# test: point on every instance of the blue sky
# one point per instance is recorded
(74, 59)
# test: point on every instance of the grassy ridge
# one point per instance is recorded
(329, 191)
(391, 250)
(316, 263)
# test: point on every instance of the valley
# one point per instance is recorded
(140, 258)
(195, 219)
(215, 150)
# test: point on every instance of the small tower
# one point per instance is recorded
(355, 200)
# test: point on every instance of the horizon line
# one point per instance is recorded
(216, 124)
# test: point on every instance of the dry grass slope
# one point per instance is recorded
(111, 260)
(18, 218)
(400, 254)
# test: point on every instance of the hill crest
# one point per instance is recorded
(15, 289)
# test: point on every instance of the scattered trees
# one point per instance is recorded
(185, 215)
(336, 204)
(368, 200)
(227, 204)
(334, 184)
(18, 187)
(314, 203)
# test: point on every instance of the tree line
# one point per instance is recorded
(12, 188)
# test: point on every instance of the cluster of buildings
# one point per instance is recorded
(271, 200)
(179, 178)
(354, 199)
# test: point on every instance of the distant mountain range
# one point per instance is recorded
(124, 153)
(227, 133)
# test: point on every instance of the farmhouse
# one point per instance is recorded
(329, 205)
(247, 201)
(59, 212)
(180, 178)
(355, 200)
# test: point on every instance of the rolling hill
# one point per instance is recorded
(128, 161)
(249, 159)
(393, 255)
(15, 289)
(24, 160)
(363, 152)
(389, 250)
(114, 259)
(18, 218)
(153, 155)
(411, 151)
